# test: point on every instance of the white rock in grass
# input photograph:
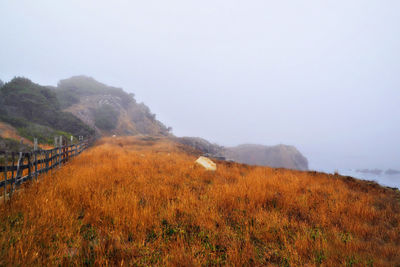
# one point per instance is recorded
(207, 163)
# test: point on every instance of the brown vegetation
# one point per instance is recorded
(143, 201)
(7, 131)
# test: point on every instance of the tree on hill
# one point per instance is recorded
(69, 90)
(24, 104)
(1, 83)
(102, 106)
(106, 117)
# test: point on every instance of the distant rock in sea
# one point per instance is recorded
(378, 171)
(392, 172)
(370, 171)
(279, 156)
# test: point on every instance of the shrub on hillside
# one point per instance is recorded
(68, 89)
(23, 102)
(44, 134)
(8, 144)
(106, 117)
(66, 98)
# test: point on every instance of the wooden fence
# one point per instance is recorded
(18, 167)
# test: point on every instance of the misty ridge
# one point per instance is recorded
(379, 171)
(81, 105)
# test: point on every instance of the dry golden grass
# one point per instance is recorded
(132, 201)
(7, 131)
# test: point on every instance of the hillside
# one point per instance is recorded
(280, 156)
(83, 106)
(77, 106)
(11, 140)
(140, 201)
(34, 111)
(109, 110)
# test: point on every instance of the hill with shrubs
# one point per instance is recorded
(34, 111)
(108, 110)
(80, 105)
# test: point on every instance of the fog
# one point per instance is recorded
(320, 75)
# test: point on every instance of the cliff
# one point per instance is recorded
(109, 110)
(279, 156)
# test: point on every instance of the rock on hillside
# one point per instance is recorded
(200, 144)
(280, 156)
(109, 110)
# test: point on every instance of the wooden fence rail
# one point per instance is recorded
(19, 167)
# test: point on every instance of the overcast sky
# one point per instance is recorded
(321, 75)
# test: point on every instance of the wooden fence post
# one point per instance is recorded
(5, 175)
(36, 161)
(55, 159)
(16, 174)
(28, 156)
(52, 160)
(35, 148)
(41, 164)
(46, 156)
(60, 152)
(13, 165)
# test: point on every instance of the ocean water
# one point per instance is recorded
(382, 179)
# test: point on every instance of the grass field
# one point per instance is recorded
(143, 201)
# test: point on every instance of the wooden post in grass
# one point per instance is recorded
(72, 146)
(28, 156)
(12, 166)
(35, 148)
(60, 153)
(51, 161)
(5, 175)
(40, 162)
(46, 155)
(56, 150)
(17, 173)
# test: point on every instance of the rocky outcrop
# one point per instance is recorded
(392, 172)
(200, 144)
(109, 110)
(280, 156)
(370, 171)
(378, 171)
